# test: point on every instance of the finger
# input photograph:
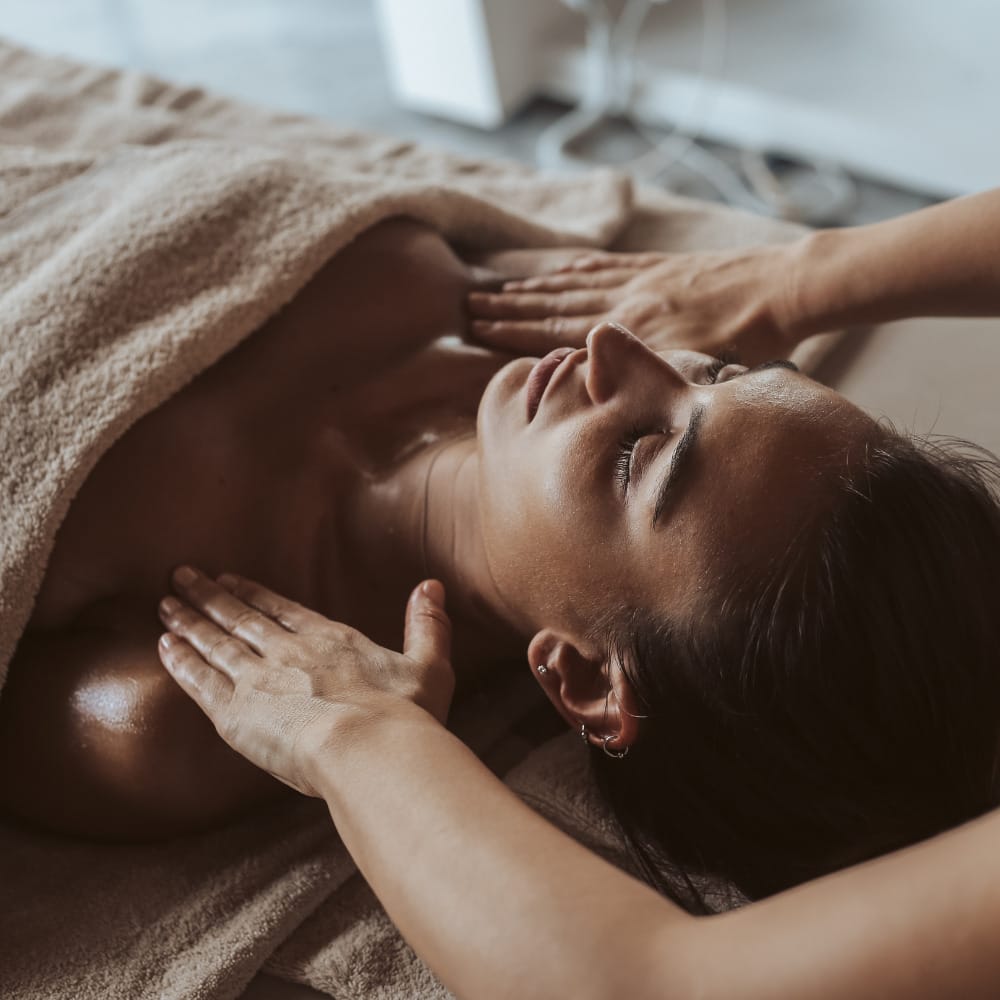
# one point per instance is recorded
(587, 262)
(529, 305)
(536, 336)
(217, 647)
(483, 279)
(604, 259)
(291, 616)
(427, 635)
(226, 609)
(210, 689)
(570, 280)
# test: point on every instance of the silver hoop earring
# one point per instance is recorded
(617, 754)
(583, 734)
(542, 669)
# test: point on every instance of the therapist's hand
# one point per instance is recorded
(713, 302)
(282, 683)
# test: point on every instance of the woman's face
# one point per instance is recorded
(645, 479)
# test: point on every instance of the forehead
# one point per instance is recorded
(768, 445)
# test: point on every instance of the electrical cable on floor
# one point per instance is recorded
(610, 86)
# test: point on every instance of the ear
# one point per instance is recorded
(586, 689)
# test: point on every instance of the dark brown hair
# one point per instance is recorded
(842, 706)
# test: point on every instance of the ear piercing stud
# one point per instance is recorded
(542, 669)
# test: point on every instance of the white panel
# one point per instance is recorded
(439, 58)
(904, 90)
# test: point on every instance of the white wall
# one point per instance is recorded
(902, 90)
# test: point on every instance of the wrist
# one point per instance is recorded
(347, 740)
(820, 291)
(795, 303)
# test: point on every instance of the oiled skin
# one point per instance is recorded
(95, 737)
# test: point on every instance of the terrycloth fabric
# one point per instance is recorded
(145, 230)
(125, 270)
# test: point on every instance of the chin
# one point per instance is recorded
(502, 410)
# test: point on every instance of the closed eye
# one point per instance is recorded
(712, 371)
(626, 450)
(726, 358)
(623, 458)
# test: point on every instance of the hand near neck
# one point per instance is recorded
(422, 520)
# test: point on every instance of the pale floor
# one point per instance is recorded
(321, 57)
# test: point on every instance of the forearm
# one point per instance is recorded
(495, 899)
(500, 903)
(918, 924)
(940, 261)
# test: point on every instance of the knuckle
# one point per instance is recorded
(439, 616)
(339, 634)
(240, 590)
(228, 727)
(286, 621)
(245, 618)
(249, 592)
(181, 652)
(224, 646)
(184, 615)
(345, 634)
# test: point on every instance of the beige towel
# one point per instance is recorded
(145, 229)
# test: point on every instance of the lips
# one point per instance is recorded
(541, 375)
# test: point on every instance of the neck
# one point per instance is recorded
(423, 520)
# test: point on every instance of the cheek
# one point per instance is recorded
(520, 504)
(542, 528)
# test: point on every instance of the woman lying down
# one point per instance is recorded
(773, 619)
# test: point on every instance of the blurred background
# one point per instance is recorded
(829, 111)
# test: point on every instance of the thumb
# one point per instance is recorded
(427, 636)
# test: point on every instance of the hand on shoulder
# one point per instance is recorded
(732, 301)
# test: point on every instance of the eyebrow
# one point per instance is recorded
(681, 460)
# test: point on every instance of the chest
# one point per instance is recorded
(234, 471)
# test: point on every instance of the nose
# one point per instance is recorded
(614, 354)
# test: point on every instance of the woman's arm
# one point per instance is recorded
(940, 261)
(500, 903)
(762, 301)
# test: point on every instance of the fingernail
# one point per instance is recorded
(482, 325)
(166, 640)
(184, 575)
(226, 580)
(169, 605)
(433, 591)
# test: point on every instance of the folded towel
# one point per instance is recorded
(145, 230)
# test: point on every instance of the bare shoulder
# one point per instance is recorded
(402, 262)
(393, 290)
(97, 740)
